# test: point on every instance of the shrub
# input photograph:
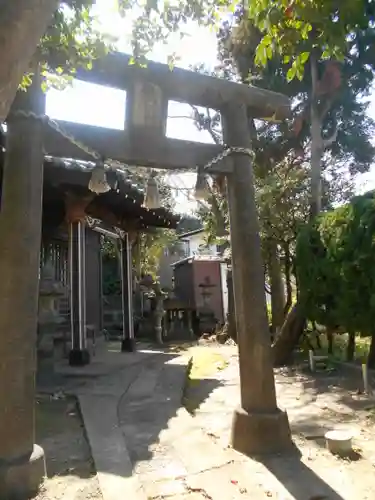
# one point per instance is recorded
(335, 264)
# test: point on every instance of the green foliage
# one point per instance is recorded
(335, 259)
(283, 151)
(74, 38)
(72, 41)
(110, 266)
(293, 29)
(340, 346)
(152, 244)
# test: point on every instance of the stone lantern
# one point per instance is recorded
(48, 315)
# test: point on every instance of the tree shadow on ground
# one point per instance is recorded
(151, 422)
(60, 432)
(197, 393)
(298, 479)
(130, 406)
(345, 385)
(334, 398)
(314, 428)
(140, 392)
(347, 388)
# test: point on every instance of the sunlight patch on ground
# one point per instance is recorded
(206, 363)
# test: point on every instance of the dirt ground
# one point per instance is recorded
(70, 470)
(326, 400)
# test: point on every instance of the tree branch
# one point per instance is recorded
(325, 109)
(330, 140)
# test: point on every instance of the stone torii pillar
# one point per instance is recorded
(259, 426)
(22, 465)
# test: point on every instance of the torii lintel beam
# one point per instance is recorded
(182, 85)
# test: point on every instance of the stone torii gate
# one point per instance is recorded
(259, 426)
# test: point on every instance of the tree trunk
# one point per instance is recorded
(277, 287)
(350, 348)
(20, 225)
(288, 279)
(330, 333)
(371, 354)
(290, 334)
(22, 25)
(292, 329)
(316, 142)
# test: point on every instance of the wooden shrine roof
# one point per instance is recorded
(125, 202)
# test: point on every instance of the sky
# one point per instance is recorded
(104, 106)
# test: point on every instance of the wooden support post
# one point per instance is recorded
(258, 426)
(93, 281)
(128, 341)
(190, 324)
(75, 217)
(79, 354)
(22, 465)
(366, 383)
(311, 361)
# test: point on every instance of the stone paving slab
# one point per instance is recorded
(162, 488)
(112, 462)
(135, 404)
(198, 452)
(228, 482)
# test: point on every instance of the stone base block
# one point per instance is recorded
(128, 345)
(261, 433)
(79, 357)
(22, 478)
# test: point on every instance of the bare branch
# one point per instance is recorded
(325, 108)
(330, 140)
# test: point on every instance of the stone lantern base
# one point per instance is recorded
(23, 478)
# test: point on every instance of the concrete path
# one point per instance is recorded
(101, 402)
(144, 443)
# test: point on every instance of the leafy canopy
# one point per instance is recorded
(289, 28)
(75, 37)
(293, 29)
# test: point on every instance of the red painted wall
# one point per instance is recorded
(208, 271)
